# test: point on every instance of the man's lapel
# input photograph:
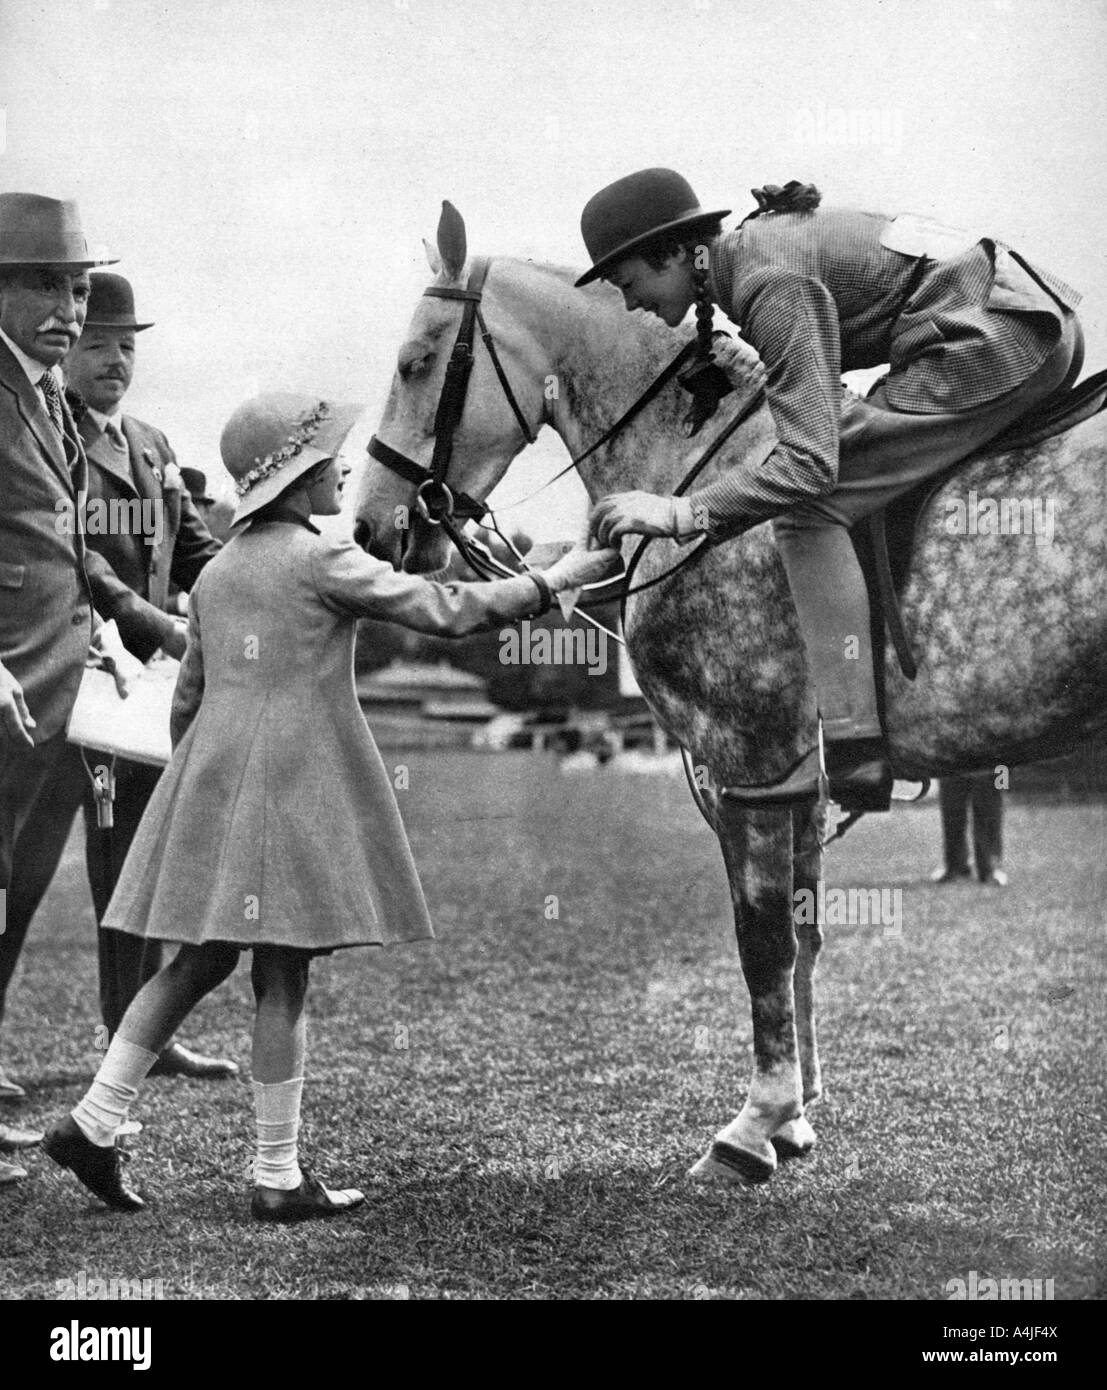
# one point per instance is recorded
(100, 451)
(146, 465)
(34, 413)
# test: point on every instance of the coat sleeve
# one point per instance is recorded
(143, 627)
(189, 690)
(349, 581)
(792, 322)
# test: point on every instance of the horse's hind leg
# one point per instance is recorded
(757, 848)
(796, 1137)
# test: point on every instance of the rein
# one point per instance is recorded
(441, 505)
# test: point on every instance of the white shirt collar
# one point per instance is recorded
(33, 368)
(115, 418)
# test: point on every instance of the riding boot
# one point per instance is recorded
(832, 602)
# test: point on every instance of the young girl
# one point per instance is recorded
(275, 827)
(973, 337)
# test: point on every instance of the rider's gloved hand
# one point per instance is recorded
(640, 514)
(740, 364)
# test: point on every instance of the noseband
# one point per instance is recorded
(435, 500)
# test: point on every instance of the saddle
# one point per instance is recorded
(885, 540)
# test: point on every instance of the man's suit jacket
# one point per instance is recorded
(132, 583)
(46, 602)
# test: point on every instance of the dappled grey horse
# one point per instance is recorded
(1006, 618)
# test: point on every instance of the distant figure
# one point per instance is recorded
(955, 795)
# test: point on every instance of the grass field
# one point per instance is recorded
(521, 1099)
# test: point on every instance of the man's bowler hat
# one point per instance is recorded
(631, 212)
(111, 303)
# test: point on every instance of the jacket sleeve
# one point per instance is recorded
(189, 690)
(142, 627)
(349, 581)
(792, 322)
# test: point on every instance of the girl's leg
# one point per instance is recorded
(283, 1192)
(279, 976)
(153, 1017)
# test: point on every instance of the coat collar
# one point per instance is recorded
(277, 512)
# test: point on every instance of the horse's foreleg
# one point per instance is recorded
(796, 1137)
(757, 848)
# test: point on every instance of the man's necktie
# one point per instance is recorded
(49, 388)
(115, 435)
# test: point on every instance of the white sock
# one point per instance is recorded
(278, 1111)
(104, 1105)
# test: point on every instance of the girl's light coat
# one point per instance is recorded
(276, 821)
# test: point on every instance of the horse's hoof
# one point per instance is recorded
(724, 1163)
(795, 1139)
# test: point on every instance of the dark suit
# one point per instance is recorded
(130, 578)
(46, 617)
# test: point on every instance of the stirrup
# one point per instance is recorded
(804, 781)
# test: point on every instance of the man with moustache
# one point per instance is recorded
(142, 531)
(46, 604)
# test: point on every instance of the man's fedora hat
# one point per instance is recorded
(111, 303)
(43, 231)
(623, 217)
(273, 439)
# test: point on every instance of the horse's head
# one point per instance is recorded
(487, 434)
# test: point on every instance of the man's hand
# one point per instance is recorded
(631, 514)
(15, 718)
(174, 643)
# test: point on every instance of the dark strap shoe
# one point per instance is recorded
(99, 1169)
(178, 1060)
(308, 1202)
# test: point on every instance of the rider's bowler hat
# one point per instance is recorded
(621, 219)
(43, 231)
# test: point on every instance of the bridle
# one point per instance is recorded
(435, 500)
(439, 504)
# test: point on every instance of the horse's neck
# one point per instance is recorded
(601, 359)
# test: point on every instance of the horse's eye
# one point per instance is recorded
(415, 366)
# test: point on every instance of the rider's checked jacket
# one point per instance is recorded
(960, 321)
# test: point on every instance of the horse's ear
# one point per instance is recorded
(434, 260)
(451, 240)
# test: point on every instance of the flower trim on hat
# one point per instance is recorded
(272, 463)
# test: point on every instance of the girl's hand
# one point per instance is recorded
(631, 513)
(581, 566)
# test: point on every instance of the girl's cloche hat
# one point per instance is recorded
(275, 438)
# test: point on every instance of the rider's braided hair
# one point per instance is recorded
(698, 247)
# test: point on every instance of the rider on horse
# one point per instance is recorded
(973, 337)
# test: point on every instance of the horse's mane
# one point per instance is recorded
(598, 323)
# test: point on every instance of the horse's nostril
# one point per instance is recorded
(361, 534)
